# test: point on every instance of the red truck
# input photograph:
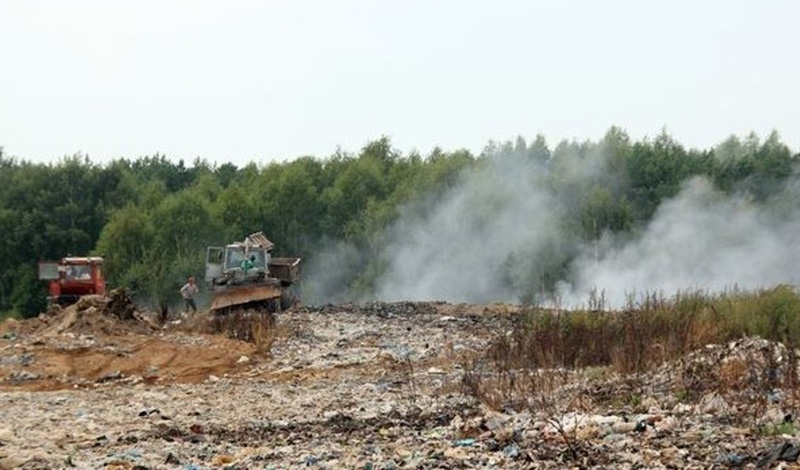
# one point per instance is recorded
(73, 277)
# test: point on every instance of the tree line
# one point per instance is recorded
(152, 218)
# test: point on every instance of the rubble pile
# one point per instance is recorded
(381, 309)
(744, 364)
(120, 305)
(114, 314)
(380, 386)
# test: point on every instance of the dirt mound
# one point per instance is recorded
(114, 314)
(95, 315)
(105, 339)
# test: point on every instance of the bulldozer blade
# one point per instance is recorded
(243, 295)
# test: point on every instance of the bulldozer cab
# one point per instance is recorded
(238, 258)
(246, 259)
(215, 257)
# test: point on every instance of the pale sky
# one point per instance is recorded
(245, 81)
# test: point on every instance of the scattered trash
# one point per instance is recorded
(465, 443)
(116, 375)
(511, 451)
(24, 375)
(366, 388)
(787, 451)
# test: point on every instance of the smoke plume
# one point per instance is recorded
(700, 240)
(464, 247)
(502, 229)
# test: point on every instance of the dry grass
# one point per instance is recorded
(733, 373)
(546, 346)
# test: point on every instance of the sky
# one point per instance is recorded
(257, 81)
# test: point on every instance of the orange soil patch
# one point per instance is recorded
(156, 360)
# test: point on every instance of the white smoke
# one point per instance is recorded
(463, 248)
(700, 240)
(501, 229)
(330, 271)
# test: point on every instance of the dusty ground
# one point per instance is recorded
(61, 352)
(76, 349)
(370, 387)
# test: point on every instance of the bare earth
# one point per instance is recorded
(369, 387)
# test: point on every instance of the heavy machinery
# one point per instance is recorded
(72, 277)
(245, 275)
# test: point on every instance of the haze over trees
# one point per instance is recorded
(152, 218)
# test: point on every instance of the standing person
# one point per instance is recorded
(188, 292)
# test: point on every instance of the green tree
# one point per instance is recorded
(126, 241)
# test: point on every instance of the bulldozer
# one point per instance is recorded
(245, 276)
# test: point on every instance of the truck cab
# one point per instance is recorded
(72, 277)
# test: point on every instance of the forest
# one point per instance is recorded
(152, 218)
